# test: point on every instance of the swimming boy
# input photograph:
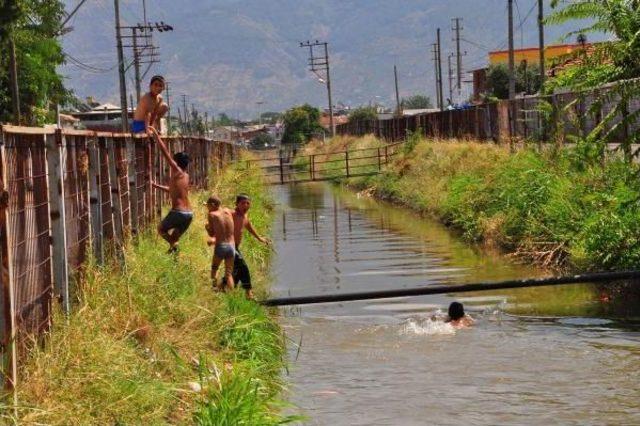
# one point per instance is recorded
(177, 221)
(240, 222)
(457, 317)
(150, 107)
(220, 229)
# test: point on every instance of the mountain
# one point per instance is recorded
(227, 55)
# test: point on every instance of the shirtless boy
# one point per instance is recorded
(240, 222)
(150, 107)
(180, 216)
(220, 229)
(457, 317)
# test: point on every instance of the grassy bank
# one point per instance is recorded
(152, 344)
(553, 208)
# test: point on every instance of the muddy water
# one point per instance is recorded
(536, 356)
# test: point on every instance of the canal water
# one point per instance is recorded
(553, 355)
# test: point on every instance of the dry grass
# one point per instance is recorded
(141, 336)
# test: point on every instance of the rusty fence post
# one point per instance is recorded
(346, 161)
(57, 215)
(95, 202)
(379, 161)
(133, 189)
(8, 330)
(116, 199)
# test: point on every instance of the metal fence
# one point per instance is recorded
(542, 118)
(67, 195)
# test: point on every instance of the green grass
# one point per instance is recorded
(553, 208)
(141, 337)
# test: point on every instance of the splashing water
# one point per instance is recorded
(426, 327)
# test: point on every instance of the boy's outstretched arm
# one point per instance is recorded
(253, 232)
(165, 151)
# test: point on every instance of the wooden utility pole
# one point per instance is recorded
(398, 106)
(434, 47)
(13, 75)
(439, 61)
(136, 62)
(451, 78)
(124, 116)
(541, 39)
(457, 28)
(318, 64)
(512, 77)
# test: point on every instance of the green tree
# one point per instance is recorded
(416, 102)
(527, 80)
(270, 117)
(224, 120)
(363, 113)
(261, 141)
(608, 61)
(301, 123)
(34, 27)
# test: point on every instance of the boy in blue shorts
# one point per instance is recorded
(151, 107)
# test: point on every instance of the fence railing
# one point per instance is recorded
(68, 195)
(542, 118)
(325, 166)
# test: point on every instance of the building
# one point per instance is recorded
(532, 54)
(555, 56)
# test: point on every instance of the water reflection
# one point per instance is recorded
(536, 356)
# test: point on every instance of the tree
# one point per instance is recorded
(33, 26)
(363, 113)
(301, 123)
(224, 120)
(270, 117)
(261, 141)
(527, 80)
(608, 61)
(416, 102)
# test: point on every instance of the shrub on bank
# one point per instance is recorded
(549, 207)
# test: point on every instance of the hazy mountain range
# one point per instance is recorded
(227, 55)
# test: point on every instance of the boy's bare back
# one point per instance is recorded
(179, 191)
(221, 226)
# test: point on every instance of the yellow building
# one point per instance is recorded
(532, 55)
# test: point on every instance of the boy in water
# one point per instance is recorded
(180, 216)
(150, 107)
(457, 317)
(220, 229)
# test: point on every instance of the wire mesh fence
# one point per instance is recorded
(66, 195)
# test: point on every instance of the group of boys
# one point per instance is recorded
(224, 226)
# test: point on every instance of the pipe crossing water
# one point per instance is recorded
(602, 277)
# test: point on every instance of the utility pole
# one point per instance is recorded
(124, 116)
(440, 70)
(398, 106)
(146, 52)
(318, 64)
(166, 85)
(450, 79)
(186, 121)
(13, 71)
(136, 63)
(434, 50)
(512, 77)
(541, 39)
(457, 28)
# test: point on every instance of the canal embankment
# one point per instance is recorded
(150, 342)
(557, 208)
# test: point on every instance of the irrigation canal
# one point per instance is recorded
(550, 355)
